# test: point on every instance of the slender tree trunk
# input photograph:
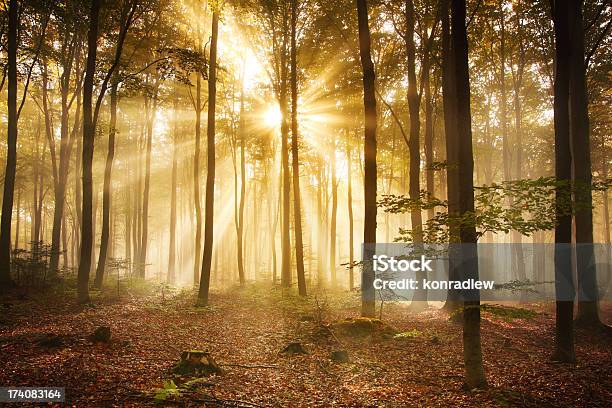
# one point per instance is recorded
(87, 157)
(452, 149)
(210, 169)
(107, 188)
(286, 180)
(472, 353)
(171, 279)
(18, 219)
(196, 178)
(588, 293)
(564, 333)
(11, 156)
(334, 213)
(297, 211)
(240, 221)
(349, 200)
(420, 295)
(144, 241)
(64, 161)
(369, 101)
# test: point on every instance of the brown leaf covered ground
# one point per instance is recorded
(245, 332)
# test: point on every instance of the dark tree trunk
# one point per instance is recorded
(210, 168)
(472, 353)
(87, 157)
(564, 333)
(11, 156)
(196, 179)
(420, 296)
(368, 307)
(452, 148)
(297, 211)
(107, 188)
(588, 296)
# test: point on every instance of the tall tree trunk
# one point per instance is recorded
(334, 213)
(349, 200)
(452, 148)
(240, 221)
(564, 333)
(472, 353)
(286, 181)
(107, 188)
(210, 168)
(171, 278)
(368, 307)
(588, 294)
(144, 241)
(297, 211)
(11, 156)
(64, 158)
(87, 157)
(420, 295)
(196, 177)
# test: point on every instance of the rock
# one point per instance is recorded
(340, 356)
(294, 348)
(197, 362)
(101, 335)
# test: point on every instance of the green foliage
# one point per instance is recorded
(526, 206)
(169, 390)
(408, 334)
(507, 312)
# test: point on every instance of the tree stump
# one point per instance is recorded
(294, 348)
(101, 335)
(197, 362)
(340, 356)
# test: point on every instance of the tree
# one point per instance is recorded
(472, 353)
(210, 168)
(87, 155)
(11, 157)
(106, 192)
(588, 305)
(564, 334)
(369, 152)
(297, 212)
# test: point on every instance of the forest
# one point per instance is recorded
(202, 201)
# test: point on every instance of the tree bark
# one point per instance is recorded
(144, 238)
(210, 168)
(286, 181)
(297, 211)
(171, 277)
(368, 307)
(452, 149)
(472, 353)
(11, 156)
(588, 293)
(107, 188)
(349, 201)
(87, 157)
(564, 332)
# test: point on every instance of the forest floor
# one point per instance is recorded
(44, 341)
